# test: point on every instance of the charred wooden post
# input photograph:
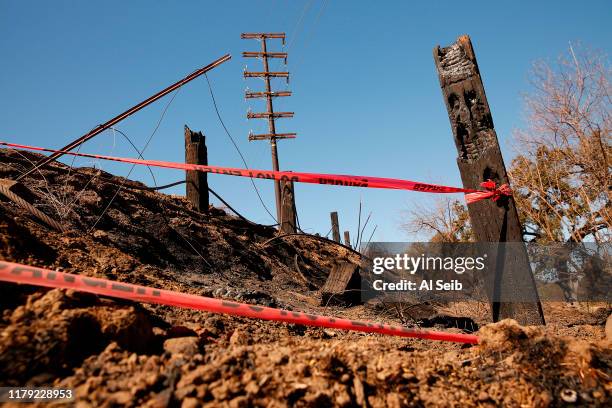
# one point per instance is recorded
(197, 181)
(288, 212)
(335, 226)
(347, 238)
(479, 159)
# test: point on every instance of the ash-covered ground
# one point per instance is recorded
(117, 353)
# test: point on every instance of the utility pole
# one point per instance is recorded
(480, 159)
(282, 216)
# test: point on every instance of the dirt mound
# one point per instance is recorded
(565, 369)
(55, 331)
(514, 366)
(115, 353)
(153, 239)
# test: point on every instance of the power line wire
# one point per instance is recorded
(298, 25)
(161, 118)
(309, 37)
(212, 95)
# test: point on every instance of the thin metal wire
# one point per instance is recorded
(212, 95)
(133, 166)
(298, 25)
(140, 154)
(309, 37)
(29, 207)
(92, 178)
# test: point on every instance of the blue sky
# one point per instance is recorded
(366, 95)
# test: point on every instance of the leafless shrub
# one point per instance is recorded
(561, 174)
(446, 221)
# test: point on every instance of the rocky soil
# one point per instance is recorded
(117, 353)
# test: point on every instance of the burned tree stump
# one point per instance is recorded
(480, 159)
(343, 285)
(197, 181)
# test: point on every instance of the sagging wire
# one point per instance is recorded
(133, 166)
(307, 42)
(212, 95)
(121, 185)
(315, 237)
(160, 187)
(298, 26)
(157, 187)
(51, 195)
(169, 185)
(236, 212)
(294, 33)
(178, 183)
(140, 153)
(137, 151)
(115, 131)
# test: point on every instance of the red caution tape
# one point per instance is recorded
(493, 192)
(12, 272)
(314, 178)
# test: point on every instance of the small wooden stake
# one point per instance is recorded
(347, 238)
(335, 226)
(288, 213)
(480, 159)
(197, 181)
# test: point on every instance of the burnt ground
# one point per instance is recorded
(117, 353)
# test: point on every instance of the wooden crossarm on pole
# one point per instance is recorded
(266, 115)
(250, 95)
(268, 136)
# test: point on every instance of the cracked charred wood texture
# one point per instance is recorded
(479, 159)
(288, 212)
(197, 181)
